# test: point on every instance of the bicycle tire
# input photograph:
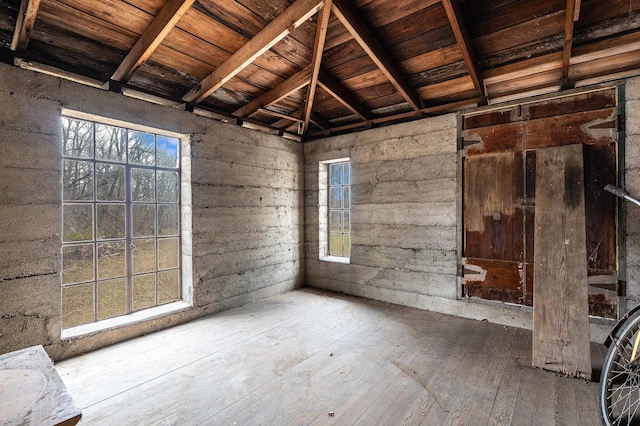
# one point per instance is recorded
(619, 393)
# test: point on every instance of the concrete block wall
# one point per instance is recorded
(632, 185)
(246, 195)
(403, 212)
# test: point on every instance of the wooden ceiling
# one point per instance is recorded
(322, 67)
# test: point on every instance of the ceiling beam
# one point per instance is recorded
(572, 13)
(343, 95)
(318, 50)
(24, 24)
(149, 41)
(296, 118)
(291, 118)
(275, 31)
(373, 48)
(282, 90)
(454, 14)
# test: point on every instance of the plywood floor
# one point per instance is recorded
(310, 357)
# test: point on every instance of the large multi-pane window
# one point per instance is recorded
(339, 209)
(121, 221)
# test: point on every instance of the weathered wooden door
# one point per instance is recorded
(499, 169)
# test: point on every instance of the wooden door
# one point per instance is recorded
(499, 168)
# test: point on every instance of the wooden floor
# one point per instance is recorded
(310, 357)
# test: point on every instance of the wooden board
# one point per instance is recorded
(32, 393)
(560, 308)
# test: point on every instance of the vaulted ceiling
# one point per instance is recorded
(321, 67)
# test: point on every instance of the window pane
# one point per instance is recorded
(167, 187)
(110, 143)
(144, 256)
(77, 138)
(335, 174)
(144, 220)
(168, 286)
(347, 245)
(335, 245)
(78, 180)
(78, 222)
(141, 148)
(345, 173)
(168, 219)
(144, 291)
(110, 218)
(168, 253)
(142, 185)
(347, 221)
(111, 259)
(346, 196)
(335, 221)
(167, 151)
(109, 182)
(77, 305)
(77, 263)
(335, 198)
(111, 299)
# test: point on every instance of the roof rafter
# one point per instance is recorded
(149, 41)
(275, 31)
(284, 89)
(343, 95)
(454, 14)
(318, 49)
(296, 117)
(24, 24)
(378, 55)
(572, 13)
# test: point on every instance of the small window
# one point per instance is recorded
(122, 236)
(335, 210)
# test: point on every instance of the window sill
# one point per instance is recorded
(133, 318)
(336, 259)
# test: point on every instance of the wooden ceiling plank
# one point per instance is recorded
(275, 31)
(454, 14)
(318, 50)
(571, 13)
(343, 95)
(163, 23)
(295, 82)
(374, 49)
(24, 24)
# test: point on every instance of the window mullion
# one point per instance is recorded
(128, 240)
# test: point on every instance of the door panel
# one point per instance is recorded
(499, 168)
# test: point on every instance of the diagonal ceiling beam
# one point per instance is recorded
(373, 48)
(284, 89)
(24, 24)
(318, 49)
(454, 14)
(572, 13)
(343, 95)
(315, 118)
(275, 31)
(161, 25)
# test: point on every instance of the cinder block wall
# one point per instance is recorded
(247, 209)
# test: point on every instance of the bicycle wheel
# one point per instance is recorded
(620, 379)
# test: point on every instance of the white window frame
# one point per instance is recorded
(186, 301)
(323, 211)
